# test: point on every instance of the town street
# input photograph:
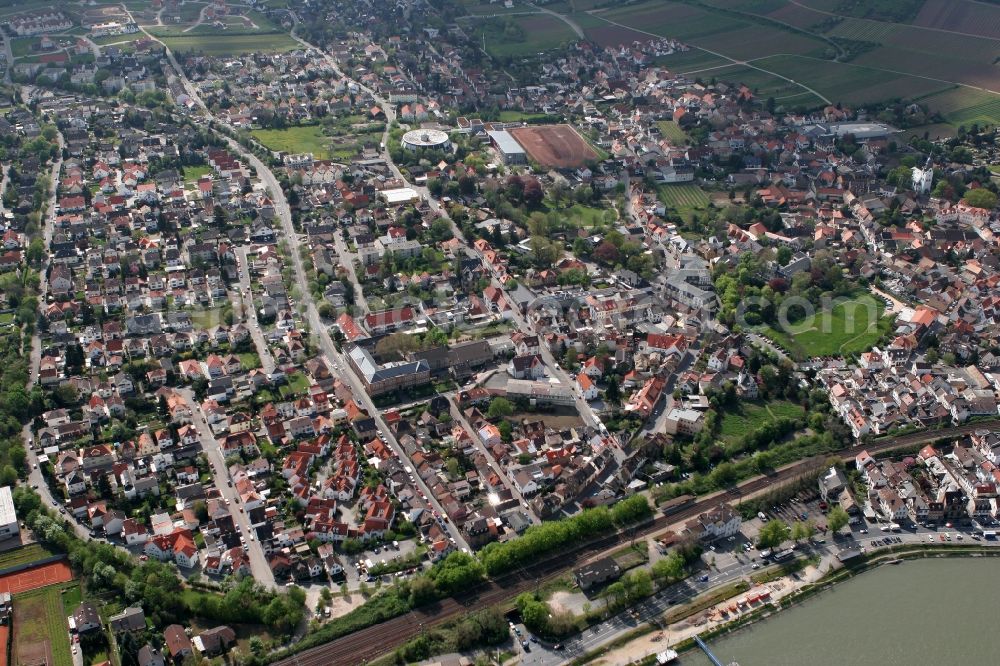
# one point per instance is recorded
(210, 445)
(250, 314)
(586, 412)
(35, 477)
(457, 414)
(314, 323)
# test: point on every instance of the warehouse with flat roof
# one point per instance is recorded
(507, 147)
(8, 517)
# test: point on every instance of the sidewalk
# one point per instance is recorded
(711, 618)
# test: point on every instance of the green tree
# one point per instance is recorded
(837, 518)
(201, 511)
(981, 198)
(613, 393)
(773, 534)
(500, 407)
(534, 613)
(802, 529)
(458, 572)
(638, 585)
(668, 569)
(569, 359)
(615, 594)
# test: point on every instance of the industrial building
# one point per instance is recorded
(8, 517)
(379, 379)
(507, 147)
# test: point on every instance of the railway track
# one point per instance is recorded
(366, 644)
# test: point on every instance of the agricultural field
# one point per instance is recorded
(975, 18)
(896, 65)
(896, 11)
(294, 140)
(849, 327)
(40, 629)
(848, 82)
(759, 41)
(692, 61)
(964, 106)
(764, 85)
(671, 130)
(750, 6)
(683, 196)
(673, 19)
(523, 35)
(734, 425)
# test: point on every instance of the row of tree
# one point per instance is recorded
(545, 539)
(155, 585)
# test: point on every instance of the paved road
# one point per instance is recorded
(347, 261)
(250, 314)
(35, 477)
(457, 414)
(761, 341)
(210, 445)
(315, 324)
(896, 306)
(379, 639)
(584, 409)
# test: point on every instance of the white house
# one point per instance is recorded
(586, 387)
(720, 523)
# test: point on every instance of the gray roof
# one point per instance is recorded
(506, 142)
(373, 372)
(7, 514)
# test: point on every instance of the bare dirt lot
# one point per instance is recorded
(558, 146)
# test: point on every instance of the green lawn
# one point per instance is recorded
(114, 39)
(752, 415)
(848, 327)
(509, 116)
(40, 616)
(21, 46)
(249, 360)
(231, 45)
(683, 197)
(297, 383)
(71, 598)
(295, 140)
(30, 553)
(193, 173)
(541, 33)
(671, 130)
(579, 215)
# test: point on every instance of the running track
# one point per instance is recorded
(371, 642)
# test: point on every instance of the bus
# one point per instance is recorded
(784, 555)
(676, 504)
(990, 535)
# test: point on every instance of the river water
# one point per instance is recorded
(919, 613)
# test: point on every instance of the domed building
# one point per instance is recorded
(424, 139)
